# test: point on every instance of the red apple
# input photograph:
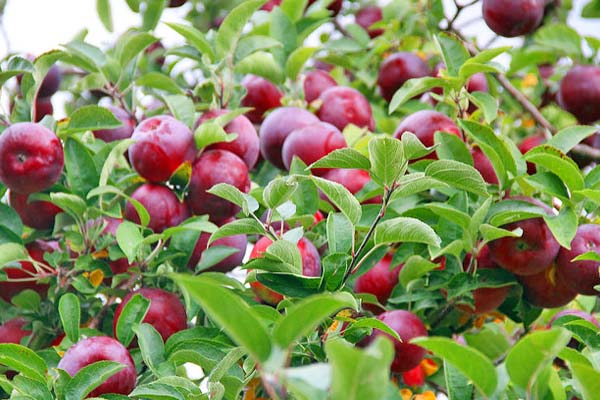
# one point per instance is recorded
(211, 168)
(580, 276)
(277, 127)
(177, 3)
(166, 312)
(36, 214)
(12, 331)
(163, 206)
(261, 95)
(408, 326)
(545, 289)
(31, 158)
(342, 106)
(239, 242)
(43, 107)
(414, 377)
(529, 143)
(312, 143)
(162, 145)
(424, 124)
(102, 348)
(311, 266)
(378, 281)
(51, 82)
(315, 83)
(397, 69)
(579, 93)
(367, 16)
(510, 18)
(122, 132)
(245, 146)
(531, 253)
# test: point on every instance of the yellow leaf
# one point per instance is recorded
(96, 277)
(429, 366)
(530, 80)
(406, 394)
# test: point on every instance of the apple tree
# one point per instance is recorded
(304, 199)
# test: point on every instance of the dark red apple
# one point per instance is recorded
(166, 312)
(12, 331)
(31, 158)
(353, 180)
(36, 214)
(367, 16)
(579, 93)
(211, 168)
(549, 96)
(162, 145)
(483, 164)
(378, 281)
(424, 124)
(36, 250)
(532, 252)
(277, 127)
(485, 299)
(261, 95)
(511, 18)
(102, 348)
(414, 377)
(342, 106)
(177, 3)
(312, 143)
(239, 242)
(245, 146)
(43, 107)
(51, 82)
(408, 326)
(545, 289)
(529, 143)
(122, 132)
(397, 69)
(315, 83)
(162, 204)
(580, 276)
(311, 266)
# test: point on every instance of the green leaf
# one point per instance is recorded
(341, 198)
(11, 252)
(70, 203)
(85, 55)
(152, 13)
(296, 61)
(139, 208)
(250, 44)
(104, 12)
(416, 183)
(82, 174)
(414, 268)
(450, 213)
(458, 386)
(132, 314)
(339, 233)
(287, 255)
(113, 160)
(278, 191)
(70, 316)
(129, 239)
(530, 355)
(90, 377)
(91, 118)
(132, 46)
(151, 346)
(195, 38)
(359, 373)
(23, 360)
(563, 226)
(388, 162)
(470, 362)
(182, 108)
(160, 81)
(558, 163)
(458, 175)
(30, 389)
(346, 157)
(294, 9)
(587, 380)
(10, 219)
(211, 132)
(487, 103)
(559, 37)
(412, 88)
(262, 64)
(303, 317)
(246, 226)
(230, 193)
(591, 9)
(451, 147)
(230, 312)
(453, 52)
(231, 29)
(569, 137)
(403, 229)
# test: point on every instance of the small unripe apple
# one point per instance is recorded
(31, 158)
(102, 348)
(166, 312)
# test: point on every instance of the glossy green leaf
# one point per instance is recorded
(414, 268)
(90, 118)
(343, 158)
(341, 198)
(132, 46)
(104, 12)
(194, 37)
(90, 377)
(296, 61)
(129, 238)
(70, 316)
(387, 158)
(569, 137)
(157, 80)
(230, 193)
(232, 26)
(82, 174)
(563, 226)
(487, 104)
(23, 360)
(412, 88)
(587, 380)
(182, 108)
(405, 230)
(453, 52)
(278, 191)
(458, 175)
(132, 314)
(261, 63)
(558, 163)
(451, 147)
(152, 13)
(151, 346)
(247, 226)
